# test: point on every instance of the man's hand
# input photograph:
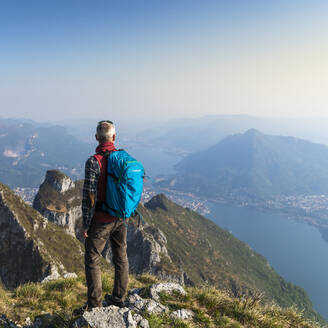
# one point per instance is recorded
(85, 233)
(91, 200)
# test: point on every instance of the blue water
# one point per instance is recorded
(155, 160)
(295, 250)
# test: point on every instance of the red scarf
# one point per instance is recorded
(106, 146)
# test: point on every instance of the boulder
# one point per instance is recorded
(165, 287)
(139, 305)
(104, 317)
(183, 314)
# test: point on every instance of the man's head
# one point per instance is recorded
(105, 132)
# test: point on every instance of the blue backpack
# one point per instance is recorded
(124, 184)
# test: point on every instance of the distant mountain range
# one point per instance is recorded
(256, 164)
(187, 135)
(28, 149)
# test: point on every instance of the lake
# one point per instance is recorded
(155, 160)
(295, 250)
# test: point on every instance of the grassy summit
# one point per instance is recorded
(212, 307)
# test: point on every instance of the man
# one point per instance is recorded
(99, 226)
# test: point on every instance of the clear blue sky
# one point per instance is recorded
(163, 59)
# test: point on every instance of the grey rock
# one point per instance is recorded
(138, 304)
(147, 251)
(135, 291)
(23, 254)
(104, 317)
(182, 314)
(145, 248)
(28, 322)
(144, 323)
(165, 287)
(70, 275)
(155, 307)
(6, 323)
(68, 219)
(54, 275)
(140, 321)
(59, 181)
(69, 216)
(43, 320)
(20, 256)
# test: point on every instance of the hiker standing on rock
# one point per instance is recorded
(103, 218)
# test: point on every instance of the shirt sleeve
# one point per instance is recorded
(92, 172)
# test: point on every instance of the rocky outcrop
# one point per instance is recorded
(146, 249)
(59, 200)
(132, 314)
(59, 181)
(156, 289)
(68, 219)
(31, 248)
(111, 316)
(20, 257)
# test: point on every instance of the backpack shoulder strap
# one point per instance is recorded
(100, 155)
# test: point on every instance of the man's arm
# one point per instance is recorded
(91, 178)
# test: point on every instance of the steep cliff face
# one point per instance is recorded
(59, 200)
(31, 248)
(147, 253)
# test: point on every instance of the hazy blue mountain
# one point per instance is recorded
(255, 164)
(196, 134)
(29, 149)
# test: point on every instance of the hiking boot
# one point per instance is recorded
(109, 301)
(85, 307)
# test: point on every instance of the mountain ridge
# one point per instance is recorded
(27, 150)
(254, 164)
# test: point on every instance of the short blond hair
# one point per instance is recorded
(105, 132)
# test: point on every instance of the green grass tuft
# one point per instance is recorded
(212, 307)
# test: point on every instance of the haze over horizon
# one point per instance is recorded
(163, 60)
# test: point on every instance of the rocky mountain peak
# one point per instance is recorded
(59, 181)
(59, 200)
(158, 201)
(252, 132)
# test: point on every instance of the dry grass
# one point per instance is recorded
(212, 307)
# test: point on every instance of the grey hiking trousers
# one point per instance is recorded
(98, 235)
